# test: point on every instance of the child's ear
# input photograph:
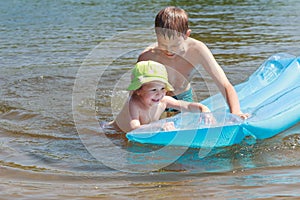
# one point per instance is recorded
(137, 92)
(187, 34)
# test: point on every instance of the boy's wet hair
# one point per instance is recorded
(171, 21)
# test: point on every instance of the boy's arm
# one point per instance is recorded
(216, 72)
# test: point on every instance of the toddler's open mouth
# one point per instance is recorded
(155, 100)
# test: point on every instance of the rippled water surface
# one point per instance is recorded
(43, 46)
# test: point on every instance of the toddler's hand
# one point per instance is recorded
(208, 118)
(168, 126)
(205, 109)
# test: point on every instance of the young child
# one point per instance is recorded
(147, 100)
(176, 50)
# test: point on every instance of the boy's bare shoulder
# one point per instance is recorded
(194, 43)
(148, 54)
(196, 49)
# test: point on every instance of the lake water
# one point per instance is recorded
(46, 44)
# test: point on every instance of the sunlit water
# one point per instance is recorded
(44, 44)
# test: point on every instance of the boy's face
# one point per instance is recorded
(152, 93)
(171, 46)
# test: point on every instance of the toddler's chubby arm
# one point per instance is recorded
(135, 122)
(167, 126)
(194, 107)
(191, 107)
(134, 116)
(184, 105)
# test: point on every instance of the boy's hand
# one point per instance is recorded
(244, 115)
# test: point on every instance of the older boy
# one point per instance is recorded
(178, 52)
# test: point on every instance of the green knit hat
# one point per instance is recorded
(147, 71)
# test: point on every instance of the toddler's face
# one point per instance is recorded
(171, 46)
(152, 92)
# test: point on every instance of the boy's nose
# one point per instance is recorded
(170, 49)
